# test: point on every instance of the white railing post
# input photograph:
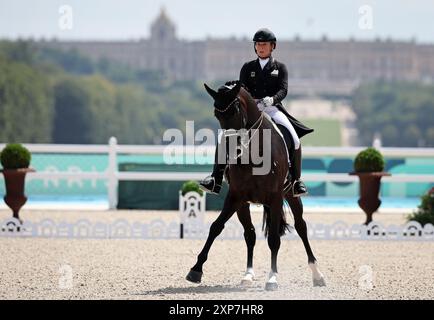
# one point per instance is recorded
(112, 174)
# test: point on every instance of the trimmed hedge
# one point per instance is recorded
(191, 186)
(15, 156)
(369, 160)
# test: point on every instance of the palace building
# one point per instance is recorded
(315, 67)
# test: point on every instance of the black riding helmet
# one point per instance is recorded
(264, 35)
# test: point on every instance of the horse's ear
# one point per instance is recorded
(210, 91)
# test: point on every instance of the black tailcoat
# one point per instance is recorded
(272, 81)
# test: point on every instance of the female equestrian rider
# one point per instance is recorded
(266, 79)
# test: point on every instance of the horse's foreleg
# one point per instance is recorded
(250, 237)
(229, 207)
(301, 228)
(274, 241)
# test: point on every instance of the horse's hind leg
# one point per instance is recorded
(301, 228)
(229, 208)
(250, 237)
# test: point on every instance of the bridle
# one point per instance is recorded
(236, 103)
(243, 135)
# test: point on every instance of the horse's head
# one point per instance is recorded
(228, 107)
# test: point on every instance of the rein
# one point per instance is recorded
(231, 132)
(227, 108)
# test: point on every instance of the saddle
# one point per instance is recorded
(287, 141)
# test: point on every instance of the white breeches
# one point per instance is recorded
(280, 118)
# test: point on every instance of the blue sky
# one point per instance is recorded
(130, 19)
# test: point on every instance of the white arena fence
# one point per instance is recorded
(159, 229)
(112, 176)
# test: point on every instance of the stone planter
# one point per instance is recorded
(370, 183)
(15, 184)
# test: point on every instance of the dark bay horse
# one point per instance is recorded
(235, 109)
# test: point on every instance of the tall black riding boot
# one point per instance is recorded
(298, 187)
(213, 183)
(289, 145)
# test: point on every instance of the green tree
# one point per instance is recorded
(139, 113)
(102, 108)
(72, 120)
(403, 112)
(71, 61)
(19, 51)
(26, 106)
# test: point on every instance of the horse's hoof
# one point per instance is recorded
(247, 281)
(194, 276)
(319, 282)
(271, 286)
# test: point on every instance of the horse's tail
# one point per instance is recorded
(283, 225)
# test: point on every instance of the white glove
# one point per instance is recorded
(268, 101)
(261, 106)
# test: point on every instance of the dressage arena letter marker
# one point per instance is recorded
(192, 211)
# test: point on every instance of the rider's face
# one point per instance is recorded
(263, 49)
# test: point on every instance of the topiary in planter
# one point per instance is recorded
(369, 166)
(15, 156)
(369, 160)
(191, 186)
(15, 160)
